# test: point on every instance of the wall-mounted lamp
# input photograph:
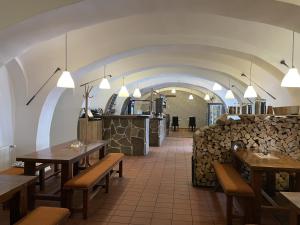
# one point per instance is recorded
(38, 91)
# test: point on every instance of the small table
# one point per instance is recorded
(68, 157)
(14, 189)
(258, 166)
(294, 200)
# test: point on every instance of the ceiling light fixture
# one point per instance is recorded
(104, 84)
(229, 93)
(66, 80)
(191, 97)
(137, 92)
(206, 97)
(123, 93)
(292, 77)
(250, 91)
(173, 91)
(217, 87)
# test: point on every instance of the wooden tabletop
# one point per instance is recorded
(10, 184)
(62, 153)
(293, 198)
(283, 163)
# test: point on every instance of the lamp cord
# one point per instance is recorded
(250, 73)
(293, 49)
(104, 71)
(66, 53)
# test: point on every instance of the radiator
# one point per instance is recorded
(7, 156)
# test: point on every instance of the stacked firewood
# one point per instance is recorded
(257, 132)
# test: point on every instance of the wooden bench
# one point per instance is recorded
(46, 216)
(40, 168)
(234, 186)
(88, 181)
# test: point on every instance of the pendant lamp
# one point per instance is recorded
(229, 93)
(250, 91)
(191, 97)
(217, 87)
(66, 80)
(137, 92)
(292, 77)
(104, 82)
(123, 91)
(206, 97)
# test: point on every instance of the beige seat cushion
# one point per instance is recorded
(231, 181)
(12, 171)
(92, 174)
(45, 216)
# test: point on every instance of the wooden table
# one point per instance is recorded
(14, 190)
(68, 157)
(294, 200)
(258, 167)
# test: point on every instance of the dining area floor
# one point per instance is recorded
(157, 190)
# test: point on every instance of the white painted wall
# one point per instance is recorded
(7, 115)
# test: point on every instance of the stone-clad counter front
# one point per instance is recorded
(127, 134)
(158, 131)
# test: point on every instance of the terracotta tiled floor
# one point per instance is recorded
(157, 190)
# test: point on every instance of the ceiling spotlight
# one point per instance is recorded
(191, 97)
(173, 91)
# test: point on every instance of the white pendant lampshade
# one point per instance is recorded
(217, 87)
(104, 84)
(65, 80)
(250, 92)
(206, 97)
(291, 78)
(137, 93)
(173, 91)
(191, 97)
(123, 92)
(229, 95)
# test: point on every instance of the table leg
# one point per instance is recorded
(293, 218)
(237, 164)
(76, 168)
(256, 184)
(14, 204)
(297, 185)
(29, 169)
(102, 152)
(24, 201)
(66, 174)
(271, 183)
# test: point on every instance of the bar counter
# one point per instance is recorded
(128, 134)
(158, 131)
